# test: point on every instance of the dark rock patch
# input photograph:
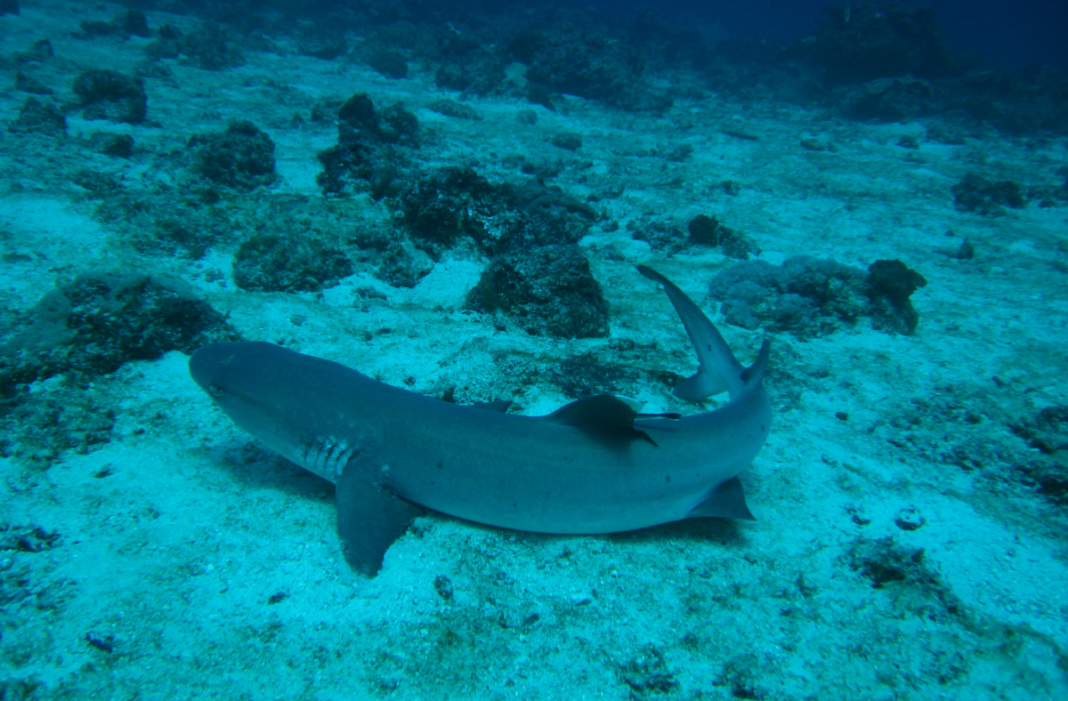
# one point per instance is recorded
(272, 263)
(36, 117)
(647, 673)
(890, 285)
(546, 292)
(102, 320)
(322, 44)
(904, 573)
(242, 157)
(107, 94)
(977, 194)
(389, 63)
(208, 47)
(813, 297)
(452, 108)
(588, 64)
(864, 42)
(371, 152)
(709, 231)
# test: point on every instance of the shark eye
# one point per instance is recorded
(215, 391)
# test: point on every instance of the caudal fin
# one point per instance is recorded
(719, 369)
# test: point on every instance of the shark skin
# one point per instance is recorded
(593, 466)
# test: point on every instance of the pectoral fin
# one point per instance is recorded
(369, 519)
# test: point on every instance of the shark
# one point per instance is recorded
(596, 465)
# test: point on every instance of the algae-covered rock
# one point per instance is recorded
(99, 321)
(546, 292)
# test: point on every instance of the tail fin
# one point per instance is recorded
(719, 369)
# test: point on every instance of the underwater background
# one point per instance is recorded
(453, 197)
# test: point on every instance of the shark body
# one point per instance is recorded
(593, 466)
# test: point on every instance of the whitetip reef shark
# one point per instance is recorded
(595, 465)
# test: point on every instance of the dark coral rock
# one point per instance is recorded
(167, 46)
(450, 203)
(549, 291)
(538, 94)
(542, 215)
(1018, 103)
(358, 114)
(209, 48)
(467, 65)
(482, 77)
(452, 108)
(889, 99)
(458, 202)
(359, 121)
(397, 262)
(536, 196)
(350, 168)
(28, 539)
(324, 45)
(107, 94)
(102, 320)
(95, 181)
(389, 63)
(710, 232)
(805, 296)
(585, 376)
(39, 427)
(977, 194)
(38, 117)
(587, 64)
(398, 126)
(270, 263)
(41, 50)
(568, 140)
(904, 571)
(403, 265)
(661, 236)
(647, 673)
(30, 84)
(242, 157)
(890, 284)
(1048, 432)
(1048, 472)
(119, 145)
(133, 22)
(91, 28)
(863, 42)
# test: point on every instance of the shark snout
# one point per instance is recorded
(204, 366)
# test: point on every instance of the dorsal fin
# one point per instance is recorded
(602, 415)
